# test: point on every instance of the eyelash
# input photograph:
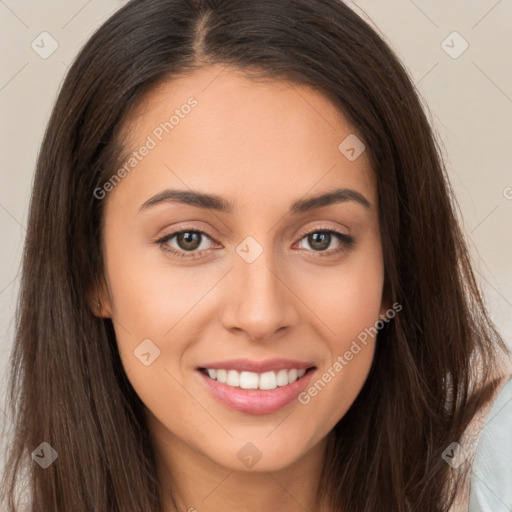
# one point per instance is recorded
(346, 243)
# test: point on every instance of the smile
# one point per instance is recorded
(256, 388)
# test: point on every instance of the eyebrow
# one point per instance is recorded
(220, 204)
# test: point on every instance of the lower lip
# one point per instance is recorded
(254, 401)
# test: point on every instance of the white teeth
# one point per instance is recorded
(251, 380)
(268, 380)
(282, 377)
(248, 380)
(233, 378)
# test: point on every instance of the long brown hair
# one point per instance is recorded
(433, 364)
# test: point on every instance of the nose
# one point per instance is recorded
(259, 300)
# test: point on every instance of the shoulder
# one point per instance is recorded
(491, 479)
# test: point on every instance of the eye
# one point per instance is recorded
(187, 241)
(321, 239)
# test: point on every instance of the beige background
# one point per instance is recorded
(469, 98)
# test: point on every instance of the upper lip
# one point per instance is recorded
(248, 365)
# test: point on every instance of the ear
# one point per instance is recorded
(100, 300)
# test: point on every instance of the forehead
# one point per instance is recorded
(217, 130)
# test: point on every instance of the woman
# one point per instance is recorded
(193, 336)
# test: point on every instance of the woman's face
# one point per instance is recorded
(254, 289)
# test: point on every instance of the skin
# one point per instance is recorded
(260, 145)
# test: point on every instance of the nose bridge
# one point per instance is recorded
(259, 303)
(258, 273)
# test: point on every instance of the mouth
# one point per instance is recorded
(256, 388)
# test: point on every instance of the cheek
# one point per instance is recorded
(344, 370)
(149, 292)
(346, 298)
(347, 302)
(154, 303)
